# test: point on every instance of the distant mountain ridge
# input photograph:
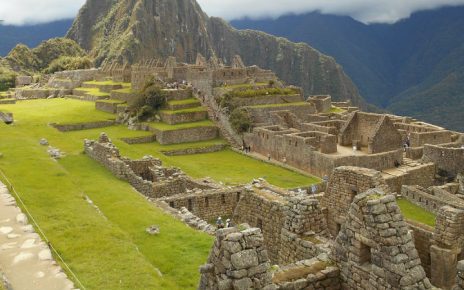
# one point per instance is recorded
(31, 35)
(134, 30)
(414, 67)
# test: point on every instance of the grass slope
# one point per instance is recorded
(110, 250)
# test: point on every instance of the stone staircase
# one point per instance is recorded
(221, 121)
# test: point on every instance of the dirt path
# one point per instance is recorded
(25, 260)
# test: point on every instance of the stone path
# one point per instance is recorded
(25, 260)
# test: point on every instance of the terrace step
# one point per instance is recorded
(184, 116)
(183, 104)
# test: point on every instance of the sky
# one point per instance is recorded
(19, 12)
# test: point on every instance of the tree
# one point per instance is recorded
(240, 120)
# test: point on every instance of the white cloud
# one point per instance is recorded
(18, 12)
(39, 11)
(367, 11)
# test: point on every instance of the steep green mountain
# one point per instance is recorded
(133, 30)
(51, 55)
(414, 67)
(31, 35)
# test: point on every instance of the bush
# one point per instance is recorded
(7, 80)
(69, 63)
(150, 100)
(240, 120)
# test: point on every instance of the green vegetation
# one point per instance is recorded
(296, 104)
(416, 213)
(250, 93)
(47, 53)
(69, 63)
(191, 110)
(127, 90)
(110, 250)
(108, 83)
(7, 80)
(337, 110)
(167, 127)
(184, 102)
(240, 120)
(245, 86)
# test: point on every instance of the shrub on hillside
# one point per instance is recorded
(240, 120)
(69, 63)
(7, 80)
(150, 100)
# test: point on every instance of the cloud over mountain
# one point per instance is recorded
(20, 12)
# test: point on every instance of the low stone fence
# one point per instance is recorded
(139, 140)
(83, 126)
(107, 106)
(431, 199)
(192, 151)
(7, 101)
(184, 135)
(208, 205)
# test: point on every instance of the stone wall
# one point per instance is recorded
(237, 261)
(316, 273)
(303, 229)
(265, 211)
(431, 199)
(422, 236)
(208, 205)
(374, 249)
(323, 103)
(22, 81)
(448, 158)
(271, 100)
(421, 174)
(140, 140)
(105, 106)
(263, 114)
(187, 117)
(82, 126)
(187, 135)
(343, 187)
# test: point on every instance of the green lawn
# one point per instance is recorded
(415, 213)
(337, 110)
(296, 104)
(111, 250)
(183, 111)
(184, 102)
(166, 127)
(106, 83)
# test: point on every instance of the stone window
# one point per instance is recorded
(190, 205)
(207, 201)
(223, 199)
(338, 227)
(238, 196)
(171, 204)
(259, 223)
(365, 257)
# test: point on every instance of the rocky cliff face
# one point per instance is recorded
(133, 30)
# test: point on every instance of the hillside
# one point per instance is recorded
(31, 35)
(134, 30)
(414, 67)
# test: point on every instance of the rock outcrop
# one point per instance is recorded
(134, 30)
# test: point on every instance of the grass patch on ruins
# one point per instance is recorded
(416, 213)
(107, 83)
(184, 102)
(93, 91)
(250, 93)
(166, 127)
(109, 250)
(127, 90)
(183, 111)
(336, 110)
(244, 86)
(297, 104)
